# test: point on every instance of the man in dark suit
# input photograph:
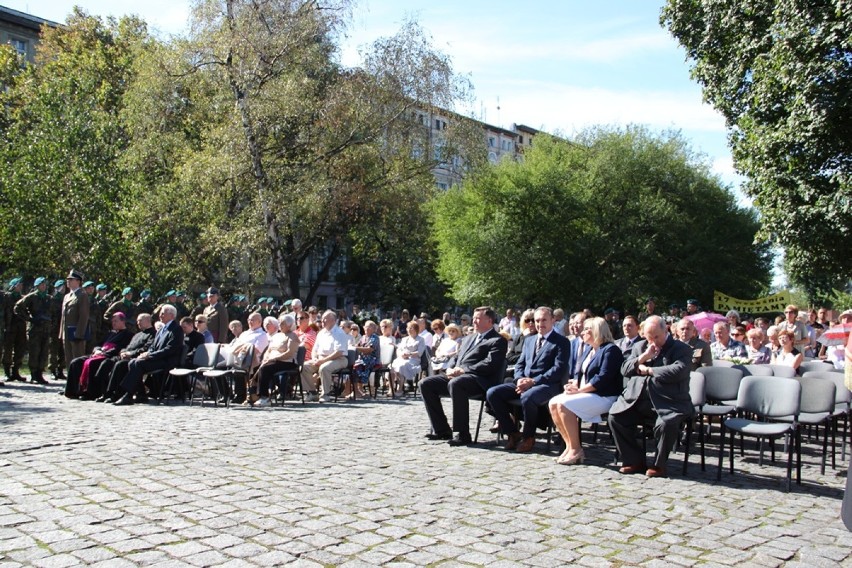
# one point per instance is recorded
(631, 336)
(539, 373)
(164, 355)
(658, 369)
(477, 367)
(579, 349)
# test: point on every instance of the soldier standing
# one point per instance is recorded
(34, 308)
(75, 318)
(180, 305)
(15, 340)
(200, 306)
(126, 306)
(57, 349)
(144, 306)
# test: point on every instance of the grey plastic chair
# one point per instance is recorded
(721, 386)
(722, 363)
(768, 398)
(783, 371)
(204, 359)
(697, 394)
(816, 406)
(842, 398)
(808, 366)
(755, 370)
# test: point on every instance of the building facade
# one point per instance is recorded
(21, 31)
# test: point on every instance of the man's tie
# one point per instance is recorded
(538, 344)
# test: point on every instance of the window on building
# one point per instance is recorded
(492, 157)
(442, 185)
(520, 139)
(492, 142)
(322, 302)
(20, 46)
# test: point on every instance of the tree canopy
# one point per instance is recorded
(780, 71)
(605, 219)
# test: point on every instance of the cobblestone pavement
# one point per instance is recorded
(356, 484)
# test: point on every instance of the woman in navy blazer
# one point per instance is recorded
(591, 395)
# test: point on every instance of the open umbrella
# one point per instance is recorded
(836, 335)
(703, 320)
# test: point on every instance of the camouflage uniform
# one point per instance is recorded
(35, 308)
(15, 338)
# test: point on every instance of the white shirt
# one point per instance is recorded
(256, 337)
(330, 342)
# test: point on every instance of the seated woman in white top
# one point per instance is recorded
(788, 355)
(447, 348)
(407, 363)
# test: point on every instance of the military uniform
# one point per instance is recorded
(35, 308)
(182, 310)
(144, 306)
(75, 319)
(57, 349)
(99, 307)
(15, 338)
(125, 306)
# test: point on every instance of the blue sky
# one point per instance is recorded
(555, 65)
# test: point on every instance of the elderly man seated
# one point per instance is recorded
(255, 336)
(163, 355)
(658, 388)
(724, 347)
(327, 356)
(701, 354)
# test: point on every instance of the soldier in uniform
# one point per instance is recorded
(180, 304)
(124, 305)
(35, 308)
(57, 350)
(217, 316)
(200, 306)
(144, 306)
(15, 339)
(100, 304)
(75, 318)
(263, 307)
(94, 337)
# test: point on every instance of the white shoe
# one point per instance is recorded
(311, 397)
(325, 398)
(263, 402)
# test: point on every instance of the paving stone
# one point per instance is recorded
(178, 486)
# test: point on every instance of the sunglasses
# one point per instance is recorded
(528, 320)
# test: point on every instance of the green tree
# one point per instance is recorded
(605, 219)
(780, 72)
(284, 153)
(61, 184)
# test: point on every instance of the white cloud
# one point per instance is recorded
(568, 108)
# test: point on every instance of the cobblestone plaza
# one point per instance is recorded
(356, 484)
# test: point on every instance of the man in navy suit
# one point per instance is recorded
(579, 349)
(164, 354)
(538, 377)
(477, 367)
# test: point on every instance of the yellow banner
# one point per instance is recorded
(775, 303)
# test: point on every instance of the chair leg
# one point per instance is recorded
(721, 452)
(798, 440)
(478, 420)
(732, 452)
(824, 446)
(686, 440)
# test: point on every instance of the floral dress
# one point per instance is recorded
(366, 361)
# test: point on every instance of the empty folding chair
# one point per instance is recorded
(204, 359)
(767, 398)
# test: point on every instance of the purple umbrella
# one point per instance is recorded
(703, 320)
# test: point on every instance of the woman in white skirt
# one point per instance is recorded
(407, 363)
(592, 393)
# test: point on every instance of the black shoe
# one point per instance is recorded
(38, 380)
(141, 399)
(126, 400)
(238, 400)
(102, 398)
(460, 440)
(445, 436)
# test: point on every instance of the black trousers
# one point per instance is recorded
(459, 389)
(625, 431)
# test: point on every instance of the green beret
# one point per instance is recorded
(38, 280)
(59, 283)
(88, 283)
(127, 291)
(101, 286)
